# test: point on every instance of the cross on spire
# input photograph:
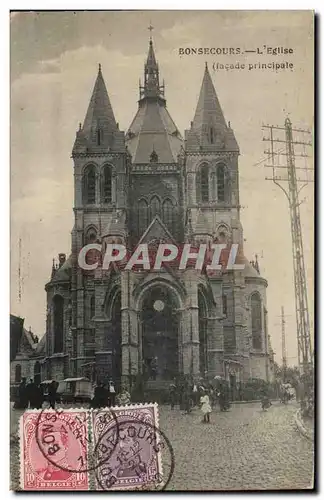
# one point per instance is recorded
(150, 28)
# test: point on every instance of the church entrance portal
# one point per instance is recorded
(160, 350)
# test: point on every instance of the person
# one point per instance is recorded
(112, 393)
(265, 401)
(22, 395)
(129, 462)
(195, 394)
(52, 389)
(39, 397)
(124, 397)
(31, 390)
(154, 367)
(205, 407)
(60, 471)
(173, 395)
(100, 396)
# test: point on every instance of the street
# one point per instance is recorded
(242, 449)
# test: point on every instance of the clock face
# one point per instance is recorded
(158, 305)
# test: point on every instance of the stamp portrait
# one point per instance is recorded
(53, 450)
(136, 460)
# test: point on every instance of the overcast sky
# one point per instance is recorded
(54, 63)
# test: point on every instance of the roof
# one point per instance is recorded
(77, 379)
(153, 129)
(100, 119)
(63, 273)
(40, 347)
(208, 109)
(249, 271)
(209, 115)
(116, 226)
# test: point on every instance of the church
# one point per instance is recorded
(152, 185)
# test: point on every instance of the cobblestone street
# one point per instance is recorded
(244, 448)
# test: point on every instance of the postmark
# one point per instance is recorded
(143, 458)
(55, 464)
(78, 424)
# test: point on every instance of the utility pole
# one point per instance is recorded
(285, 137)
(283, 343)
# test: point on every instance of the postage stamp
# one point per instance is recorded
(54, 450)
(136, 461)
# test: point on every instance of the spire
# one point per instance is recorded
(100, 131)
(151, 86)
(53, 269)
(100, 113)
(151, 61)
(208, 129)
(208, 111)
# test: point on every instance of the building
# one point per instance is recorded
(150, 185)
(27, 352)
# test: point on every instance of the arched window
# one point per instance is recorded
(155, 207)
(168, 213)
(92, 306)
(221, 183)
(256, 314)
(17, 374)
(58, 308)
(214, 185)
(143, 219)
(106, 191)
(203, 184)
(89, 185)
(91, 235)
(211, 135)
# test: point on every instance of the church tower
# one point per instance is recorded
(154, 143)
(100, 173)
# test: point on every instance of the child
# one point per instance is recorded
(124, 397)
(205, 407)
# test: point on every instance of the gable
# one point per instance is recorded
(156, 233)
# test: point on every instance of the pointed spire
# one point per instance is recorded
(152, 87)
(100, 132)
(151, 61)
(208, 130)
(53, 269)
(100, 115)
(208, 112)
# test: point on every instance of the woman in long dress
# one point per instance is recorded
(205, 407)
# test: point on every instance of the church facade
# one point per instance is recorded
(151, 185)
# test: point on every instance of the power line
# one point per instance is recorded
(283, 342)
(288, 173)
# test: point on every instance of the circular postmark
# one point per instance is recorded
(63, 437)
(143, 459)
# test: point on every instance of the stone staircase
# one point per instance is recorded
(157, 391)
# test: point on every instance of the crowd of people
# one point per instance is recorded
(32, 395)
(183, 392)
(106, 395)
(202, 394)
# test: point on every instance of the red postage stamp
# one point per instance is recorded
(54, 450)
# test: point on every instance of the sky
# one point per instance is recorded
(54, 63)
